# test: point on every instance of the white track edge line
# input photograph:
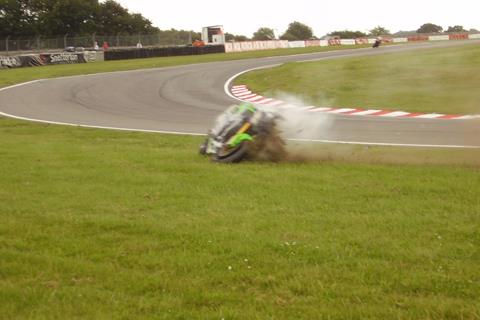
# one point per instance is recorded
(99, 127)
(386, 144)
(202, 134)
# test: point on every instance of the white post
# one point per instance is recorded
(6, 44)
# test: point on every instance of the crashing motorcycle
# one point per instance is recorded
(241, 132)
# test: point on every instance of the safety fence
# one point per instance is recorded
(45, 44)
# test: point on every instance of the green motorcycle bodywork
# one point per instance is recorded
(243, 136)
(239, 138)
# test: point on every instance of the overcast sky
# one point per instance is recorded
(247, 16)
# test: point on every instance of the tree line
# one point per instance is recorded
(48, 18)
(300, 31)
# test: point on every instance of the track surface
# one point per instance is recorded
(187, 99)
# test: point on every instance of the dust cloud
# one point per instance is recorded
(295, 132)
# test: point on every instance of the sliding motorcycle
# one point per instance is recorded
(241, 132)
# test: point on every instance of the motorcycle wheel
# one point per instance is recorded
(233, 155)
(203, 147)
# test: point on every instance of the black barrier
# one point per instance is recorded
(34, 60)
(10, 62)
(124, 54)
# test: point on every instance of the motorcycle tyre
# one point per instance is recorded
(203, 147)
(236, 155)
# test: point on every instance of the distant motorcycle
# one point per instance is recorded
(377, 43)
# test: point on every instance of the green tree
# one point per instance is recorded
(240, 38)
(288, 36)
(456, 29)
(232, 37)
(28, 18)
(430, 28)
(347, 34)
(229, 36)
(113, 18)
(297, 31)
(73, 17)
(173, 36)
(264, 34)
(379, 31)
(16, 18)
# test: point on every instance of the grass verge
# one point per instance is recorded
(104, 224)
(435, 80)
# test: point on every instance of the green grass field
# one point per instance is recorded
(105, 224)
(435, 80)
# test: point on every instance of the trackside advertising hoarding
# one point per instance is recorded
(33, 60)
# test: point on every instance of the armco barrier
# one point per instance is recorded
(261, 45)
(246, 46)
(438, 38)
(138, 53)
(459, 36)
(93, 56)
(334, 42)
(316, 43)
(296, 44)
(323, 43)
(361, 41)
(229, 47)
(347, 42)
(312, 43)
(417, 38)
(255, 45)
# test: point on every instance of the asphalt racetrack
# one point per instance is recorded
(186, 99)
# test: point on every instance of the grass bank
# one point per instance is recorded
(104, 224)
(434, 80)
